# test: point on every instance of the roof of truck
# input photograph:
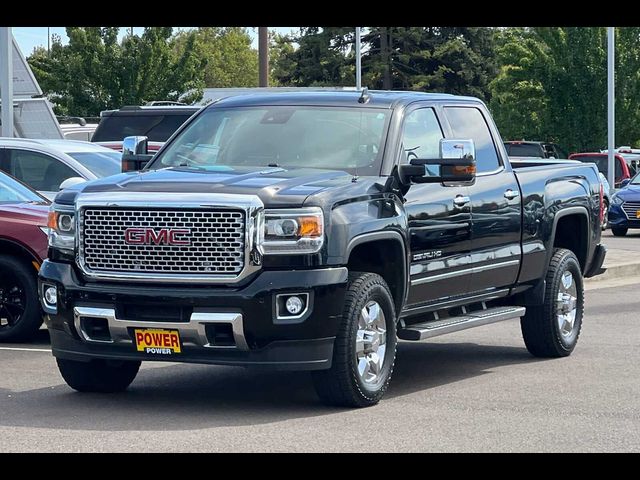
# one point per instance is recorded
(377, 98)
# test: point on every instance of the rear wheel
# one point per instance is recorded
(552, 329)
(365, 347)
(619, 231)
(20, 315)
(105, 376)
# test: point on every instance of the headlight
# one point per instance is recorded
(296, 230)
(61, 225)
(617, 200)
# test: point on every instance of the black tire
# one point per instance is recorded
(605, 221)
(540, 326)
(342, 385)
(20, 314)
(619, 231)
(103, 376)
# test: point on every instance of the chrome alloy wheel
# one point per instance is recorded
(371, 340)
(567, 304)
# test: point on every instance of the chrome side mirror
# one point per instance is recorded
(71, 181)
(135, 154)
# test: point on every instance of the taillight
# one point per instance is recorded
(601, 203)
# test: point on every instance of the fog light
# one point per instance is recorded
(294, 305)
(51, 296)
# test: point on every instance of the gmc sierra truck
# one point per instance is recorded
(311, 231)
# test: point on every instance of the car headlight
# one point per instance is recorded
(616, 200)
(296, 230)
(62, 227)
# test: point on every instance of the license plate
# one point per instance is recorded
(637, 213)
(157, 341)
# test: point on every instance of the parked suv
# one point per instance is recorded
(622, 170)
(522, 148)
(156, 122)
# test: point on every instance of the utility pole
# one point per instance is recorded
(6, 81)
(358, 61)
(611, 105)
(263, 56)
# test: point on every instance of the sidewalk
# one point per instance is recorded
(620, 264)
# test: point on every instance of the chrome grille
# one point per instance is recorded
(216, 241)
(630, 209)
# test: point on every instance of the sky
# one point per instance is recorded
(30, 37)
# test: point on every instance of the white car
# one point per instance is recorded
(45, 164)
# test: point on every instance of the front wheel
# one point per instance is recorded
(20, 315)
(365, 347)
(104, 376)
(619, 231)
(552, 329)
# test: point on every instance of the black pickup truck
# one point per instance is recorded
(311, 232)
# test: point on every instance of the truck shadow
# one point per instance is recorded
(179, 397)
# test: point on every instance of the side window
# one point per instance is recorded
(468, 122)
(39, 171)
(421, 135)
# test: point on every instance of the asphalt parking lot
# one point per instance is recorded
(477, 390)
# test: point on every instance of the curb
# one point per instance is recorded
(617, 272)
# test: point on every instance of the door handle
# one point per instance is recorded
(461, 200)
(511, 194)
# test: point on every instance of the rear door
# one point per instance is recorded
(439, 219)
(495, 203)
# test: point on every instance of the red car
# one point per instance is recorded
(23, 247)
(622, 171)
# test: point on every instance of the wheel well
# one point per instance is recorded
(18, 251)
(572, 233)
(386, 258)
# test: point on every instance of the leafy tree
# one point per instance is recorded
(94, 72)
(229, 58)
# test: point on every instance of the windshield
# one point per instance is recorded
(101, 164)
(343, 138)
(523, 150)
(156, 126)
(601, 161)
(12, 191)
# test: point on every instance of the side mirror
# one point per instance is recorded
(134, 154)
(624, 182)
(70, 182)
(456, 164)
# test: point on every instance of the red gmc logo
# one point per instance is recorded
(160, 236)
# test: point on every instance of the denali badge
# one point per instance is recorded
(160, 236)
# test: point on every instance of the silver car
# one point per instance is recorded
(45, 164)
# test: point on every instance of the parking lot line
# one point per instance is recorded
(18, 349)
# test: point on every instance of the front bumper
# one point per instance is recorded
(617, 218)
(248, 313)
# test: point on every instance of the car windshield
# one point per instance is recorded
(101, 164)
(343, 138)
(601, 162)
(523, 150)
(12, 191)
(635, 180)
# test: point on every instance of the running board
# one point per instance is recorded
(420, 331)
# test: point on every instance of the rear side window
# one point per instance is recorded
(601, 162)
(157, 127)
(468, 122)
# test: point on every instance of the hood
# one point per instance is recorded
(630, 192)
(276, 187)
(30, 213)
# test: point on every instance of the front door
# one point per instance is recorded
(439, 220)
(495, 205)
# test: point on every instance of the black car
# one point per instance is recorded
(522, 148)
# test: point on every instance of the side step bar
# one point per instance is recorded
(420, 331)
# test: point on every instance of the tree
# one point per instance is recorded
(552, 85)
(230, 60)
(94, 72)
